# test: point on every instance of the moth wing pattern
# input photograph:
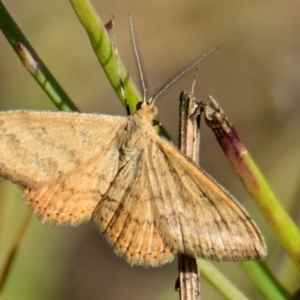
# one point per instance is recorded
(204, 220)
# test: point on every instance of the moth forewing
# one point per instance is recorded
(56, 158)
(201, 216)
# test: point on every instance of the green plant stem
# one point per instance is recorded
(103, 48)
(265, 281)
(219, 281)
(283, 226)
(14, 249)
(41, 74)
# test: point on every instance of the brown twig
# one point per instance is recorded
(189, 139)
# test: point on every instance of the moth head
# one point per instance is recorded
(147, 109)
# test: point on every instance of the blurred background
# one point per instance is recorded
(255, 76)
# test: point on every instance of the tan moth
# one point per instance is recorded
(145, 196)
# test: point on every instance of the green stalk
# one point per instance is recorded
(14, 248)
(265, 280)
(33, 63)
(103, 48)
(219, 281)
(283, 226)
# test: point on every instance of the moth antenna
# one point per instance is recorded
(182, 73)
(114, 44)
(137, 58)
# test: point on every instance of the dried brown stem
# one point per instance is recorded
(189, 139)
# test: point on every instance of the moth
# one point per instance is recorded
(145, 196)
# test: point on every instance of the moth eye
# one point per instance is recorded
(138, 105)
(155, 123)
